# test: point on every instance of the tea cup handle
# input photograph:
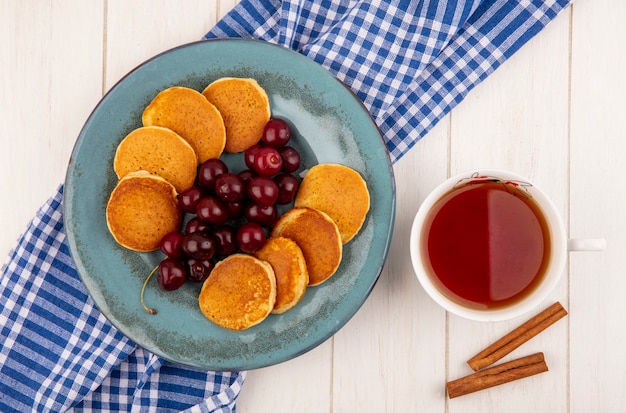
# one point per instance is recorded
(586, 244)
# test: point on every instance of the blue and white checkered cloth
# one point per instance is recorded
(409, 61)
(59, 353)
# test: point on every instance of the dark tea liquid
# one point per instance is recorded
(487, 244)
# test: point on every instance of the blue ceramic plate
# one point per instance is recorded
(330, 125)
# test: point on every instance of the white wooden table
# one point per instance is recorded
(554, 113)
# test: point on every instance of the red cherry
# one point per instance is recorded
(208, 172)
(172, 274)
(211, 210)
(291, 159)
(199, 270)
(226, 239)
(262, 215)
(250, 153)
(267, 161)
(276, 133)
(230, 187)
(172, 244)
(200, 246)
(195, 225)
(235, 209)
(263, 190)
(189, 199)
(287, 188)
(251, 237)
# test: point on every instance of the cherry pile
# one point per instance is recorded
(231, 211)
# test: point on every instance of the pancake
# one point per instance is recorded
(340, 192)
(245, 107)
(159, 151)
(239, 293)
(318, 237)
(142, 208)
(289, 267)
(189, 114)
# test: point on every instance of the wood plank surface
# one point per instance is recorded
(552, 113)
(50, 80)
(598, 147)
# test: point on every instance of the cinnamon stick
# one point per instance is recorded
(517, 337)
(496, 375)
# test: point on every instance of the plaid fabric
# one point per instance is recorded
(59, 353)
(410, 62)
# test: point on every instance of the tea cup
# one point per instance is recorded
(488, 245)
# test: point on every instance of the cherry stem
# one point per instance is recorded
(148, 310)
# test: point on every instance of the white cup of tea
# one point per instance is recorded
(488, 245)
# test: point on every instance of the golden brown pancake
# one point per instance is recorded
(141, 209)
(289, 266)
(245, 107)
(159, 151)
(340, 192)
(239, 293)
(318, 237)
(189, 114)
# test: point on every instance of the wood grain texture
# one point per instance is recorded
(138, 30)
(598, 281)
(553, 113)
(46, 95)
